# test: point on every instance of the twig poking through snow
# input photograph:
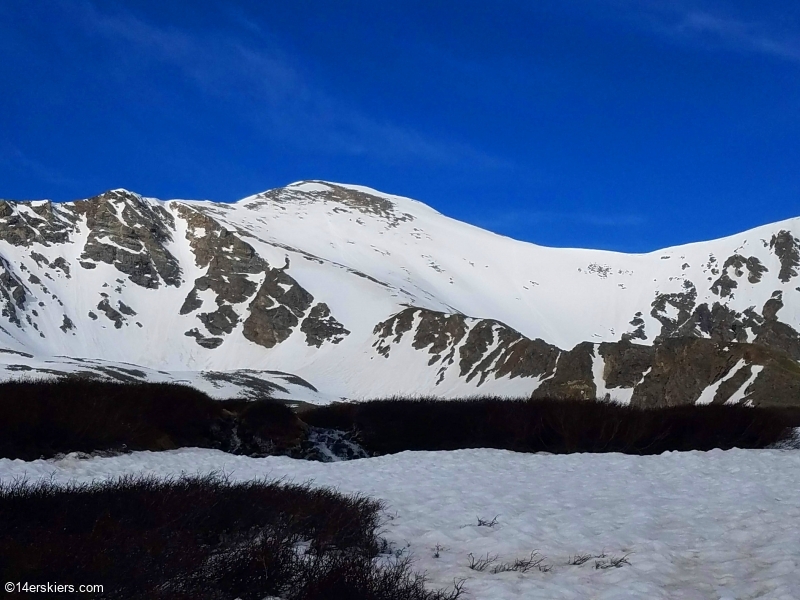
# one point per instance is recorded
(485, 523)
(481, 564)
(523, 565)
(614, 561)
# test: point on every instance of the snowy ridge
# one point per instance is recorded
(310, 278)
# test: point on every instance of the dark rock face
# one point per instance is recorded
(681, 369)
(638, 333)
(625, 363)
(573, 375)
(320, 326)
(772, 333)
(192, 302)
(346, 199)
(682, 302)
(23, 223)
(113, 315)
(443, 335)
(67, 324)
(787, 248)
(674, 371)
(12, 294)
(222, 320)
(131, 235)
(277, 306)
(276, 310)
(737, 264)
(205, 342)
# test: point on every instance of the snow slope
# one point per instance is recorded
(695, 526)
(366, 256)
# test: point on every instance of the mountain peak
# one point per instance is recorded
(338, 198)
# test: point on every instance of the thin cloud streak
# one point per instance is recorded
(276, 98)
(740, 35)
(12, 156)
(683, 22)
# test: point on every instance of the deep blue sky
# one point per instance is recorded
(626, 125)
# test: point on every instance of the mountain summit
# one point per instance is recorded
(318, 291)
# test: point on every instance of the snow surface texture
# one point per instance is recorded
(695, 526)
(366, 255)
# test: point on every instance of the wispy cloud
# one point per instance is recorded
(739, 35)
(268, 89)
(11, 156)
(689, 22)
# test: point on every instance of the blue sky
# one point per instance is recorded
(626, 125)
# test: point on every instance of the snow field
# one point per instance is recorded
(714, 525)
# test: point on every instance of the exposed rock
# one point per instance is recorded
(787, 248)
(736, 263)
(320, 326)
(573, 375)
(205, 342)
(105, 307)
(125, 309)
(724, 285)
(222, 320)
(67, 324)
(192, 302)
(23, 223)
(682, 302)
(230, 265)
(755, 270)
(277, 305)
(61, 264)
(674, 371)
(774, 333)
(347, 200)
(394, 327)
(13, 293)
(276, 310)
(625, 363)
(269, 327)
(131, 234)
(772, 306)
(441, 335)
(638, 332)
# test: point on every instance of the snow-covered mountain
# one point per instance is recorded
(320, 291)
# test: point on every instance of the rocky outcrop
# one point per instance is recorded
(276, 310)
(681, 303)
(674, 371)
(132, 235)
(277, 304)
(787, 248)
(342, 199)
(480, 348)
(572, 377)
(320, 326)
(23, 223)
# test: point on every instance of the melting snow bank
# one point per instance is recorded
(694, 525)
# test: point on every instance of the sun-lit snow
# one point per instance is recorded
(367, 264)
(692, 526)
